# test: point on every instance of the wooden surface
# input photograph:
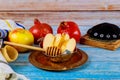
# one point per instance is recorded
(37, 5)
(82, 18)
(83, 12)
(86, 13)
(101, 64)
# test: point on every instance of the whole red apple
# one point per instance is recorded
(21, 36)
(39, 30)
(70, 28)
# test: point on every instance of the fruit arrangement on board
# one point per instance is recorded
(41, 34)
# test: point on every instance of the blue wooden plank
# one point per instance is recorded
(89, 70)
(89, 66)
(101, 64)
(99, 54)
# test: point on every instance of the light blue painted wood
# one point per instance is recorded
(102, 64)
(92, 69)
(99, 65)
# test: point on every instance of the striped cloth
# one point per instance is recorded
(9, 25)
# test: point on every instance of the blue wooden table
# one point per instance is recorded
(102, 64)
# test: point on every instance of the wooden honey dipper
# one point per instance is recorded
(50, 51)
(53, 45)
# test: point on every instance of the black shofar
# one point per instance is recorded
(104, 31)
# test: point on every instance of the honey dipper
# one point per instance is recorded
(50, 51)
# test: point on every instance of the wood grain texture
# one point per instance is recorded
(83, 12)
(21, 5)
(57, 5)
(54, 18)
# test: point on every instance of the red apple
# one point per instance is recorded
(21, 36)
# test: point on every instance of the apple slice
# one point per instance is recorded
(68, 45)
(65, 36)
(57, 40)
(48, 41)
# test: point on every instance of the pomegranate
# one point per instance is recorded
(70, 28)
(39, 30)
